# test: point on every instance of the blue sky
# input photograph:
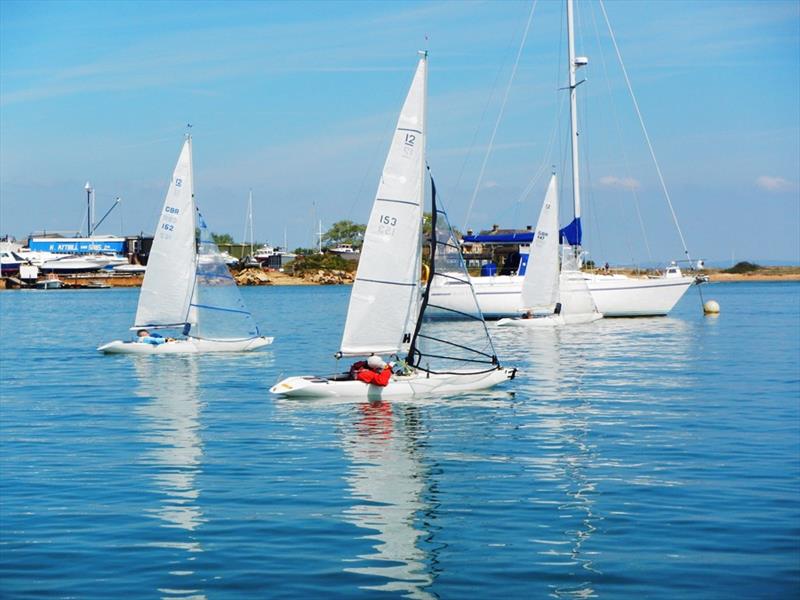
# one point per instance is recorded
(297, 100)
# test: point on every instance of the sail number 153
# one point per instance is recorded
(386, 225)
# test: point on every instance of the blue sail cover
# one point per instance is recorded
(572, 233)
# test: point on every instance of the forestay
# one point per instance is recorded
(461, 346)
(169, 280)
(218, 311)
(541, 282)
(384, 301)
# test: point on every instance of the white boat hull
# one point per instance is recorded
(401, 386)
(614, 295)
(187, 346)
(620, 296)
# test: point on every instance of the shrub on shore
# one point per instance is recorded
(743, 267)
(316, 262)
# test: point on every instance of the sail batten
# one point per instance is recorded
(385, 297)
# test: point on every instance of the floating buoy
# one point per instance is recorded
(711, 307)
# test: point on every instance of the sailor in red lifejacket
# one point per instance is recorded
(374, 371)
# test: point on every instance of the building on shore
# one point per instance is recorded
(497, 251)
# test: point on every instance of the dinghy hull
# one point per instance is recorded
(188, 346)
(401, 386)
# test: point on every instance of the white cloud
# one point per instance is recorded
(773, 184)
(621, 183)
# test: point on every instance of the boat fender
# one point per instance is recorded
(557, 311)
(513, 374)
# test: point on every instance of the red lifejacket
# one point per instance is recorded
(369, 376)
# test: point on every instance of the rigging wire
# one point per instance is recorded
(644, 130)
(621, 146)
(499, 115)
(454, 188)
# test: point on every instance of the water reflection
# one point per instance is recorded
(171, 416)
(583, 379)
(387, 480)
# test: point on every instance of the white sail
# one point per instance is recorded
(170, 277)
(385, 298)
(577, 304)
(541, 282)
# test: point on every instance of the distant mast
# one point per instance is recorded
(88, 188)
(250, 220)
(574, 64)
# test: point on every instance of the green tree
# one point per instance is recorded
(222, 238)
(427, 225)
(345, 232)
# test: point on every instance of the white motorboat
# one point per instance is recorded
(345, 251)
(187, 287)
(387, 312)
(130, 268)
(68, 265)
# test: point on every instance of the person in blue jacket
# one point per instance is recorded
(143, 337)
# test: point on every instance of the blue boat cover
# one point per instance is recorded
(522, 237)
(572, 233)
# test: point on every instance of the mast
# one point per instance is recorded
(88, 189)
(574, 64)
(250, 219)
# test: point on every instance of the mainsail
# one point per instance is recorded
(169, 280)
(463, 346)
(217, 307)
(541, 282)
(384, 301)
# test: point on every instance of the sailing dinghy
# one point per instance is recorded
(187, 286)
(552, 295)
(387, 310)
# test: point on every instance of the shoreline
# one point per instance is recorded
(320, 278)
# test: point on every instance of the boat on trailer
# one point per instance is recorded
(390, 308)
(187, 286)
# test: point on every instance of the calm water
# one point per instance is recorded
(653, 458)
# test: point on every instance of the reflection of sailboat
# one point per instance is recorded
(187, 286)
(387, 482)
(171, 426)
(552, 295)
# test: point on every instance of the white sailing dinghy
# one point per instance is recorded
(187, 287)
(552, 295)
(387, 311)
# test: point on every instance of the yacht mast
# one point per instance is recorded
(574, 64)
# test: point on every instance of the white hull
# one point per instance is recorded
(621, 296)
(187, 346)
(614, 295)
(401, 386)
(550, 321)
